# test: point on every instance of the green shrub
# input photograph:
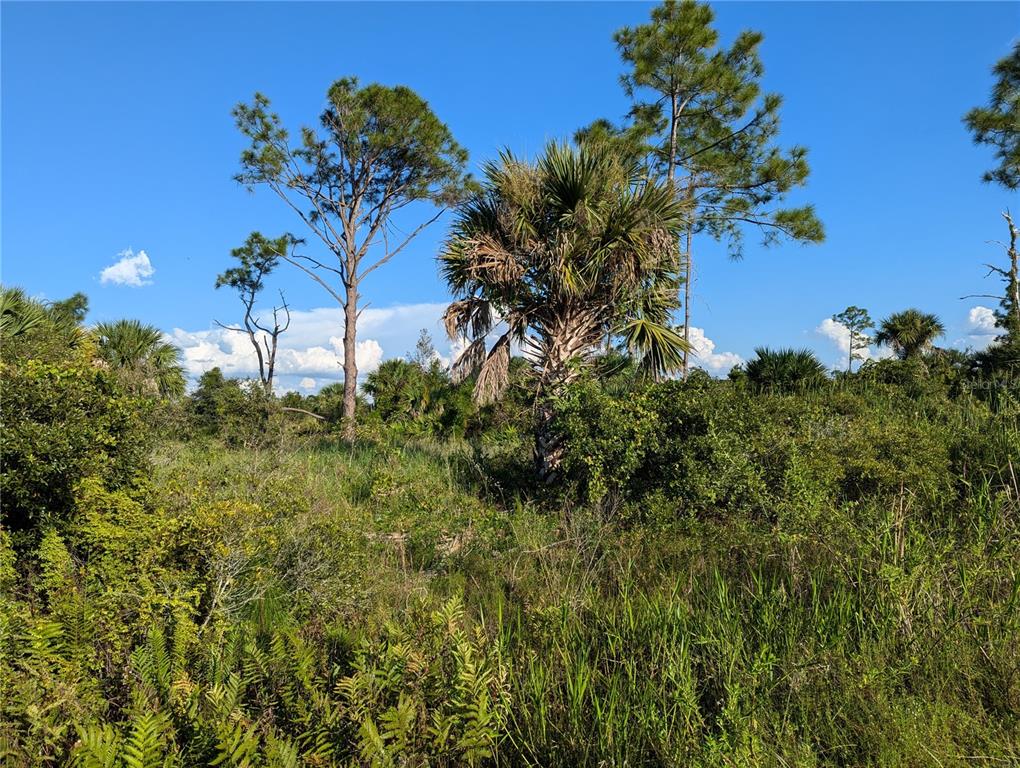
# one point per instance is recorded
(680, 450)
(64, 420)
(784, 370)
(240, 413)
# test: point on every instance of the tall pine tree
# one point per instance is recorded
(710, 129)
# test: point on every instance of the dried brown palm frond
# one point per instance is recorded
(492, 261)
(493, 376)
(471, 317)
(468, 361)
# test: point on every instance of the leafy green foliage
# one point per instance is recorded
(998, 124)
(66, 419)
(72, 309)
(241, 413)
(680, 451)
(417, 399)
(19, 314)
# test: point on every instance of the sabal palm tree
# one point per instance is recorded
(909, 333)
(150, 364)
(398, 389)
(568, 253)
(19, 314)
(784, 370)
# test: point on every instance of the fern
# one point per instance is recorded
(281, 753)
(98, 747)
(145, 745)
(238, 747)
(372, 744)
(152, 663)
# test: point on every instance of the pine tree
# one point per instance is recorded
(998, 124)
(257, 259)
(856, 320)
(378, 151)
(709, 129)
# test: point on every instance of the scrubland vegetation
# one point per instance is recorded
(725, 574)
(589, 554)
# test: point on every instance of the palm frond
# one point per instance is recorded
(468, 361)
(658, 347)
(493, 376)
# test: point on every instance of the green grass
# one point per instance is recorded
(873, 635)
(388, 605)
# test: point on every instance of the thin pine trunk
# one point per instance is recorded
(350, 363)
(688, 277)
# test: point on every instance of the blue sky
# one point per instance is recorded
(116, 134)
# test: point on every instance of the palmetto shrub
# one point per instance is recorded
(784, 370)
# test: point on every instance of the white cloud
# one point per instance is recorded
(981, 328)
(982, 321)
(837, 333)
(367, 353)
(706, 357)
(132, 269)
(312, 348)
(232, 353)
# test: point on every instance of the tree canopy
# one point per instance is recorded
(909, 333)
(377, 150)
(711, 130)
(998, 124)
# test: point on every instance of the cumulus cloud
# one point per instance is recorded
(982, 320)
(706, 357)
(232, 353)
(131, 269)
(981, 328)
(838, 334)
(312, 348)
(310, 355)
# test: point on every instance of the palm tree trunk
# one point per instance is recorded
(573, 336)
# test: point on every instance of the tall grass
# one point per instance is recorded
(892, 641)
(390, 606)
(885, 632)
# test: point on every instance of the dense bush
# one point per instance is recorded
(418, 399)
(687, 449)
(239, 412)
(66, 421)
